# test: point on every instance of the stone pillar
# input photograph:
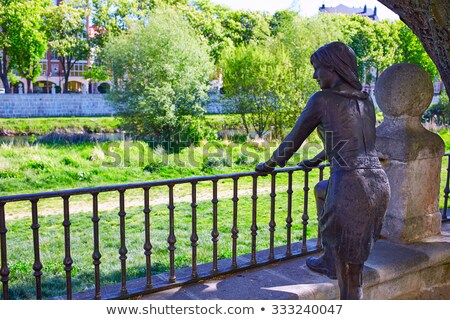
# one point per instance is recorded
(20, 88)
(411, 155)
(53, 88)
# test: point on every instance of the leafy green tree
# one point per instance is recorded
(206, 18)
(22, 40)
(411, 50)
(160, 72)
(259, 82)
(375, 45)
(245, 26)
(302, 36)
(67, 35)
(280, 19)
(223, 27)
(29, 43)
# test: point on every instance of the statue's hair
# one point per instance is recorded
(342, 59)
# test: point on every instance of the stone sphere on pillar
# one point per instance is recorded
(404, 89)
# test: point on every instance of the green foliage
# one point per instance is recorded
(66, 32)
(97, 73)
(441, 110)
(27, 39)
(206, 18)
(375, 45)
(411, 50)
(160, 72)
(281, 19)
(22, 38)
(258, 79)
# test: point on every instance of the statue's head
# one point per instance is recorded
(340, 58)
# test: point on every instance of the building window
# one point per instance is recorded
(44, 68)
(78, 70)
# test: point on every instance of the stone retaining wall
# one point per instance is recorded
(72, 105)
(49, 105)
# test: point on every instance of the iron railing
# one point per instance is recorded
(174, 277)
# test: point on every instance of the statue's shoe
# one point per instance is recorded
(320, 265)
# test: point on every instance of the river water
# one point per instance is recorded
(62, 137)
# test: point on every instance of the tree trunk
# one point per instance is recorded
(66, 82)
(428, 19)
(4, 72)
(5, 82)
(29, 86)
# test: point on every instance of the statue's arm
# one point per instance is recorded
(305, 125)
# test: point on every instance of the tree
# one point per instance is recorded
(375, 45)
(28, 42)
(302, 36)
(67, 35)
(259, 80)
(411, 50)
(206, 18)
(160, 72)
(245, 26)
(22, 41)
(281, 18)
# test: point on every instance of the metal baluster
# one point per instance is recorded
(96, 255)
(147, 245)
(254, 227)
(215, 231)
(67, 259)
(289, 215)
(446, 190)
(272, 223)
(171, 239)
(194, 236)
(234, 229)
(319, 234)
(37, 265)
(305, 212)
(4, 271)
(123, 249)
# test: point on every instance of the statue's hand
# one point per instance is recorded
(311, 163)
(264, 167)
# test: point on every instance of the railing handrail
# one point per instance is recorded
(171, 240)
(148, 184)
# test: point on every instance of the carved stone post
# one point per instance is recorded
(412, 155)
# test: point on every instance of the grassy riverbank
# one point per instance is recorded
(41, 126)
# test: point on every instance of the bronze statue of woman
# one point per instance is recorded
(358, 189)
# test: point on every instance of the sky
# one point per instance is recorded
(307, 7)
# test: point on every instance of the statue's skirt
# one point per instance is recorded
(353, 213)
